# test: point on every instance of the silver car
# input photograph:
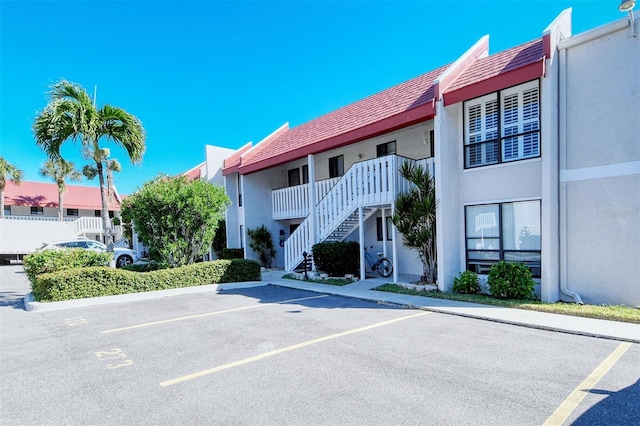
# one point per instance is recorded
(122, 256)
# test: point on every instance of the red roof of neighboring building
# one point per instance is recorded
(233, 161)
(498, 71)
(44, 194)
(399, 106)
(194, 173)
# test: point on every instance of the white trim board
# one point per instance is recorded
(599, 172)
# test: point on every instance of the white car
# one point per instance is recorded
(123, 256)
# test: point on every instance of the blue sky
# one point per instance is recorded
(225, 73)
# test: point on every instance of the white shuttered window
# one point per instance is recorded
(503, 126)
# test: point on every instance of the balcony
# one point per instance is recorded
(293, 202)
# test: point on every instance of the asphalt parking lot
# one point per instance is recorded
(273, 356)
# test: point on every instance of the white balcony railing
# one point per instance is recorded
(40, 218)
(293, 202)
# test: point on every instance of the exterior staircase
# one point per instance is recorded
(369, 184)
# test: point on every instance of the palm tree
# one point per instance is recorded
(415, 217)
(60, 170)
(10, 172)
(72, 115)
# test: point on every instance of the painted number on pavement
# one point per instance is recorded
(72, 322)
(114, 358)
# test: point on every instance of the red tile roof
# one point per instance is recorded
(44, 194)
(235, 159)
(495, 72)
(398, 105)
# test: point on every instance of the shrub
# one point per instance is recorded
(45, 261)
(337, 258)
(467, 283)
(232, 253)
(262, 243)
(510, 280)
(101, 281)
(146, 267)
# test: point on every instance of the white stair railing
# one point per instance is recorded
(368, 183)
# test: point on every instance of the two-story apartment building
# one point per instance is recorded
(31, 216)
(535, 152)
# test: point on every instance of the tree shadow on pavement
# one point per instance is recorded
(618, 408)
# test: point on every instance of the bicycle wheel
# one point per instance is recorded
(385, 267)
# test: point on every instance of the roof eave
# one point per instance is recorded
(407, 118)
(520, 75)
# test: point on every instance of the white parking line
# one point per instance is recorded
(262, 305)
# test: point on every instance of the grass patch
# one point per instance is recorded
(606, 312)
(330, 281)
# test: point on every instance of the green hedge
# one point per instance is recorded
(510, 280)
(45, 261)
(337, 258)
(100, 281)
(233, 253)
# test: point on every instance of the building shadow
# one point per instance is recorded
(618, 408)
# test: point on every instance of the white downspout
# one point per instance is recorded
(562, 129)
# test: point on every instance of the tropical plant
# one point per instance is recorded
(262, 243)
(71, 114)
(220, 239)
(59, 170)
(176, 217)
(415, 217)
(7, 172)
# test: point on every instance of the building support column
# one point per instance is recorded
(363, 267)
(394, 246)
(313, 201)
(384, 232)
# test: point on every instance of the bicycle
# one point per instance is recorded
(382, 265)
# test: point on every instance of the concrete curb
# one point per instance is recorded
(625, 336)
(32, 306)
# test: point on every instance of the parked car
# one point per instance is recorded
(122, 256)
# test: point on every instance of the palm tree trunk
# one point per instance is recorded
(2, 202)
(106, 223)
(60, 208)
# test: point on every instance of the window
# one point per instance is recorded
(336, 166)
(97, 213)
(294, 177)
(241, 236)
(72, 212)
(239, 191)
(432, 143)
(389, 223)
(7, 210)
(503, 126)
(505, 231)
(111, 214)
(305, 174)
(386, 149)
(37, 210)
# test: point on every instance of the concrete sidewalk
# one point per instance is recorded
(554, 322)
(17, 283)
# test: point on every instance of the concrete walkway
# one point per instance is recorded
(361, 290)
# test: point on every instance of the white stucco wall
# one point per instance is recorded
(257, 208)
(215, 156)
(450, 210)
(600, 167)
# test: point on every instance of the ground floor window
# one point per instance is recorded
(503, 231)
